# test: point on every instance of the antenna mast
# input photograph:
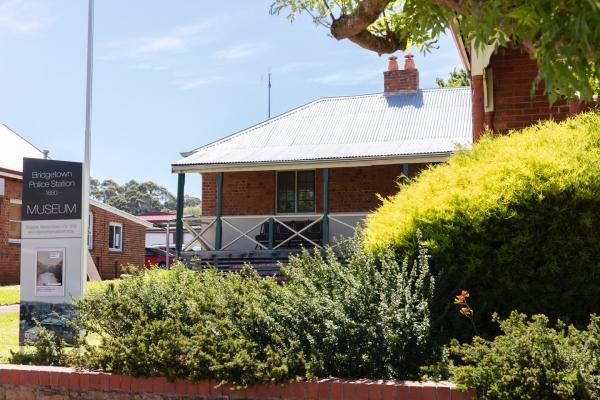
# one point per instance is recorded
(269, 98)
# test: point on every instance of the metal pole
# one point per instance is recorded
(325, 206)
(218, 222)
(179, 211)
(85, 201)
(168, 243)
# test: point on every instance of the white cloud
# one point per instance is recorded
(21, 17)
(148, 66)
(297, 66)
(240, 51)
(188, 82)
(179, 39)
(348, 77)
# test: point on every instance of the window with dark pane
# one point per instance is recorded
(286, 188)
(306, 191)
(115, 236)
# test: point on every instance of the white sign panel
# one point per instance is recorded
(51, 273)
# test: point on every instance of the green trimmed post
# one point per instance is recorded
(179, 213)
(218, 222)
(405, 172)
(271, 233)
(325, 206)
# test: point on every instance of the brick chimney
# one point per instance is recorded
(395, 79)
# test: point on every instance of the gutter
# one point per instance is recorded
(290, 165)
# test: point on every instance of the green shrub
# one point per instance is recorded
(180, 323)
(364, 317)
(367, 317)
(531, 360)
(515, 221)
(47, 349)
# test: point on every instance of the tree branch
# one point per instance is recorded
(378, 44)
(356, 23)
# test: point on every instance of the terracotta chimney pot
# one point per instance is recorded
(393, 63)
(409, 63)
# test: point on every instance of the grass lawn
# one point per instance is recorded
(9, 322)
(9, 334)
(9, 295)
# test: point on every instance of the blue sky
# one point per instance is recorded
(169, 76)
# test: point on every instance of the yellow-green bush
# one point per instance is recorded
(516, 221)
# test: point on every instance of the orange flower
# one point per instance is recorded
(461, 298)
(465, 311)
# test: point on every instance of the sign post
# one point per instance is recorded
(51, 240)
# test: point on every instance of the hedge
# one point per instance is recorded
(368, 317)
(515, 221)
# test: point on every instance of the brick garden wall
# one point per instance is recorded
(514, 105)
(10, 253)
(56, 383)
(134, 241)
(350, 189)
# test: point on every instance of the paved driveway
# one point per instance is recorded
(7, 309)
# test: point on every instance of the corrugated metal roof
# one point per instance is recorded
(425, 122)
(13, 148)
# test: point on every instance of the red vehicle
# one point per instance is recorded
(157, 256)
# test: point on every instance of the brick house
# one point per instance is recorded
(116, 238)
(313, 173)
(501, 82)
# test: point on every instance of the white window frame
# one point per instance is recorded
(120, 226)
(12, 240)
(295, 192)
(2, 186)
(90, 234)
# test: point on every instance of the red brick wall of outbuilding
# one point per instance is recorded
(352, 189)
(134, 241)
(10, 253)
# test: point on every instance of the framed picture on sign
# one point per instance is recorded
(50, 272)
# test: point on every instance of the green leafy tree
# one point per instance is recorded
(133, 197)
(191, 201)
(562, 35)
(457, 77)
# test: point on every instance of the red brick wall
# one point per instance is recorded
(514, 105)
(244, 193)
(355, 189)
(350, 189)
(402, 79)
(29, 382)
(10, 253)
(109, 262)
